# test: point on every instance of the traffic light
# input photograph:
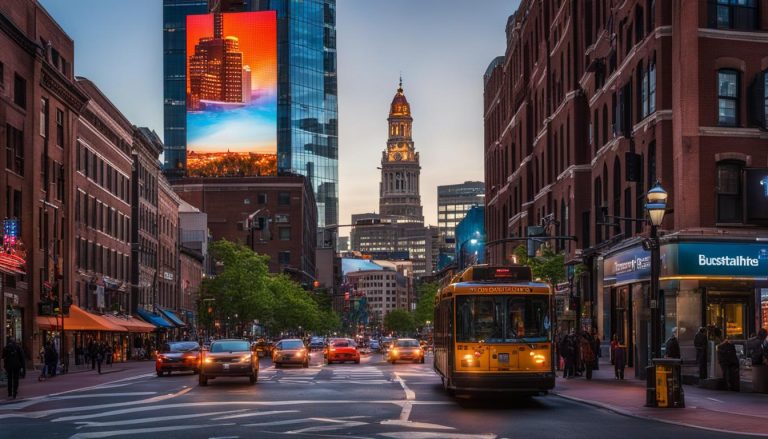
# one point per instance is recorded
(316, 284)
(535, 239)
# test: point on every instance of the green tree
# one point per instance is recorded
(399, 321)
(238, 292)
(425, 308)
(549, 266)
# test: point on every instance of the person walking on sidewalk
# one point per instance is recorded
(619, 360)
(700, 343)
(13, 358)
(729, 362)
(614, 344)
(755, 347)
(596, 348)
(92, 351)
(672, 346)
(569, 354)
(99, 356)
(587, 353)
(50, 357)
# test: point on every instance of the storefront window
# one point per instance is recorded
(728, 319)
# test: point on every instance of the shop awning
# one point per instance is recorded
(172, 317)
(130, 323)
(79, 320)
(154, 319)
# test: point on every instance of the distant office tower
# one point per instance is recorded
(307, 116)
(453, 203)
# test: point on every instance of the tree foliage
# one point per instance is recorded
(549, 266)
(243, 290)
(425, 308)
(399, 321)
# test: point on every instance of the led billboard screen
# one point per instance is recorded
(232, 94)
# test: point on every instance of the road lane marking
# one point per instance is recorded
(411, 424)
(410, 396)
(89, 424)
(103, 434)
(97, 386)
(348, 424)
(251, 414)
(439, 435)
(44, 413)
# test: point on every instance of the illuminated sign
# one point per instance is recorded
(10, 232)
(232, 94)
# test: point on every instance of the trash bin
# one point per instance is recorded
(669, 383)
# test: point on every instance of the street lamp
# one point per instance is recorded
(656, 205)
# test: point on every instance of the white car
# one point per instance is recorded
(374, 345)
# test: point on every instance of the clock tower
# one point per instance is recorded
(399, 188)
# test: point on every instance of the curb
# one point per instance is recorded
(629, 414)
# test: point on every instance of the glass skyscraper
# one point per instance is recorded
(307, 109)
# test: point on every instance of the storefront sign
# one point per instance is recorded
(627, 266)
(717, 259)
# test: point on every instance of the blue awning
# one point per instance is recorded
(154, 319)
(172, 317)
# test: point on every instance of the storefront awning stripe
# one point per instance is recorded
(78, 320)
(154, 319)
(172, 317)
(130, 323)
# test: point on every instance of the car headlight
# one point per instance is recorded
(245, 358)
(162, 357)
(208, 360)
(394, 351)
(300, 354)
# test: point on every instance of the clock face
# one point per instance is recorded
(398, 156)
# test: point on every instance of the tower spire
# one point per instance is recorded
(400, 85)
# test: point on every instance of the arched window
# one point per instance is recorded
(729, 191)
(597, 196)
(639, 24)
(596, 130)
(651, 165)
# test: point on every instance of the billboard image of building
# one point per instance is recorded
(232, 94)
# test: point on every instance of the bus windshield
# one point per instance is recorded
(502, 319)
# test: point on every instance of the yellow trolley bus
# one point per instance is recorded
(493, 332)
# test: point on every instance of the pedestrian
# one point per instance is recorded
(672, 346)
(92, 350)
(614, 343)
(619, 360)
(13, 357)
(50, 358)
(99, 356)
(597, 350)
(587, 353)
(108, 354)
(700, 343)
(569, 354)
(729, 363)
(755, 347)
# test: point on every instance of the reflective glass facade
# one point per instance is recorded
(307, 124)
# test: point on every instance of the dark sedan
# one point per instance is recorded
(178, 356)
(229, 358)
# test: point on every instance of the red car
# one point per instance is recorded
(341, 350)
(180, 355)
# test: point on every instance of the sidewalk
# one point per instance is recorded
(709, 409)
(30, 387)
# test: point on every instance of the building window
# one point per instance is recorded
(14, 148)
(284, 198)
(727, 97)
(732, 14)
(281, 218)
(284, 233)
(284, 258)
(729, 205)
(44, 117)
(19, 91)
(59, 128)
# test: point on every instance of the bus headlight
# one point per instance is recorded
(539, 359)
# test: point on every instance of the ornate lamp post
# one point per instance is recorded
(656, 205)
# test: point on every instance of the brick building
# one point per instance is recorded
(275, 216)
(144, 211)
(102, 198)
(168, 293)
(39, 108)
(596, 100)
(190, 278)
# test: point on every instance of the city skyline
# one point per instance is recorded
(465, 39)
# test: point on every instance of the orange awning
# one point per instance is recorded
(79, 320)
(132, 324)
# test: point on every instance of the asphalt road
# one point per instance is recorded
(373, 399)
